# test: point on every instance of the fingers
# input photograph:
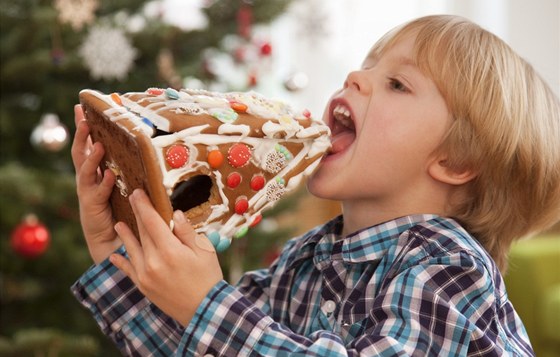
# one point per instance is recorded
(150, 224)
(78, 114)
(188, 236)
(135, 252)
(80, 145)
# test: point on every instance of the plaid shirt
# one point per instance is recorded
(418, 285)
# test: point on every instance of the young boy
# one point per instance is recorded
(445, 149)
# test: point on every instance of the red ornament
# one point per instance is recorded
(233, 180)
(252, 80)
(257, 182)
(177, 156)
(266, 49)
(239, 155)
(30, 239)
(244, 21)
(241, 205)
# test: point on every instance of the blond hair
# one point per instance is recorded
(506, 128)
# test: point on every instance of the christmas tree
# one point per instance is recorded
(50, 50)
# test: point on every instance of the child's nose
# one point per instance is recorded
(357, 80)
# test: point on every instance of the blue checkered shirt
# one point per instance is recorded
(414, 286)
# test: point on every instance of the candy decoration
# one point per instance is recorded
(116, 98)
(256, 220)
(307, 113)
(276, 189)
(257, 182)
(239, 155)
(238, 107)
(215, 159)
(172, 93)
(225, 115)
(274, 162)
(155, 91)
(241, 233)
(241, 205)
(223, 245)
(177, 156)
(284, 151)
(30, 239)
(214, 238)
(233, 180)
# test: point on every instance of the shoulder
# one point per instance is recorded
(440, 258)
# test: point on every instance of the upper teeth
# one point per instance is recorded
(342, 114)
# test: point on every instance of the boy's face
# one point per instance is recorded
(386, 122)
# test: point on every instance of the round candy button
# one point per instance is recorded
(215, 158)
(239, 155)
(177, 156)
(257, 182)
(241, 205)
(233, 180)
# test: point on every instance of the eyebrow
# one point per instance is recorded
(406, 61)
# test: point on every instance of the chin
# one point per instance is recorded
(320, 186)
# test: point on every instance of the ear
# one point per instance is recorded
(439, 170)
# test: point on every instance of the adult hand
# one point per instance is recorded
(94, 190)
(173, 269)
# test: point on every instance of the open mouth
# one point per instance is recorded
(342, 128)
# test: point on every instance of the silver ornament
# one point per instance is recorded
(50, 134)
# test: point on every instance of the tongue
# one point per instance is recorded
(341, 141)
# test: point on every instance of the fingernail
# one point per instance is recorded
(179, 216)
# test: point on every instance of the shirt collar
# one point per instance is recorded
(325, 243)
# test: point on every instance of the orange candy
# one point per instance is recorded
(115, 97)
(215, 159)
(238, 107)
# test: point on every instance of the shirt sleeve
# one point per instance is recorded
(136, 326)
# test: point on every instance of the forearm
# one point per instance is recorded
(129, 319)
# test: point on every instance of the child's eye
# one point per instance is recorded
(397, 85)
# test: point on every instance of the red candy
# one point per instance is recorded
(257, 182)
(307, 113)
(239, 155)
(155, 91)
(177, 156)
(241, 205)
(256, 221)
(233, 180)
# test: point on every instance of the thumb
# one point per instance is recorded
(188, 236)
(182, 228)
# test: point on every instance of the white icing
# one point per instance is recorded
(231, 129)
